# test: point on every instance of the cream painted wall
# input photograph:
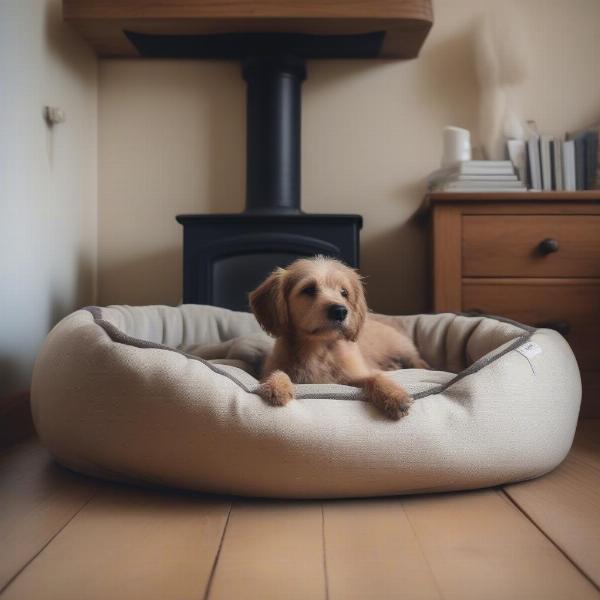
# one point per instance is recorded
(172, 136)
(48, 189)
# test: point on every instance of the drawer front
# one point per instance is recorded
(531, 245)
(571, 305)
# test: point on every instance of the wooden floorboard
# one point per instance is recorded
(565, 504)
(70, 537)
(479, 545)
(271, 550)
(372, 552)
(127, 544)
(37, 499)
(462, 546)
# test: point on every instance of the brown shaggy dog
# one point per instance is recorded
(316, 309)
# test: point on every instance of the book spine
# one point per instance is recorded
(591, 158)
(558, 165)
(569, 165)
(533, 163)
(486, 164)
(545, 153)
(579, 162)
(483, 189)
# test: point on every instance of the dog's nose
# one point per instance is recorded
(337, 312)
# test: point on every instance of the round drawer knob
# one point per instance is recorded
(548, 246)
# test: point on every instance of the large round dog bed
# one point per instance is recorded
(165, 395)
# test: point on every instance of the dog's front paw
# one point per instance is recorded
(396, 404)
(277, 389)
(387, 396)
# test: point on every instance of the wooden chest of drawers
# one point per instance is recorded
(532, 257)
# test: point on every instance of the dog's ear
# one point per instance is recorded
(268, 304)
(359, 305)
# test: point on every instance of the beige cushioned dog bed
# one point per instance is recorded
(165, 395)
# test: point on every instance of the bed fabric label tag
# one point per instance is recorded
(529, 350)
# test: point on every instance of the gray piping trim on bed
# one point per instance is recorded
(116, 335)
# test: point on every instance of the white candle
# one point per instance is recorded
(457, 145)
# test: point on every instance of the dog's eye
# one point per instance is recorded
(344, 292)
(309, 290)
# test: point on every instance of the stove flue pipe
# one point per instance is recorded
(273, 112)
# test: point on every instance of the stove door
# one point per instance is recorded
(222, 273)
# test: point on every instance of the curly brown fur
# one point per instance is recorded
(386, 395)
(316, 310)
(277, 389)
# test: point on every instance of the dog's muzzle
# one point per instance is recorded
(337, 313)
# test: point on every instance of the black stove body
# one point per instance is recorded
(226, 256)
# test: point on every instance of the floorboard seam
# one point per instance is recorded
(217, 555)
(49, 541)
(325, 574)
(524, 512)
(441, 594)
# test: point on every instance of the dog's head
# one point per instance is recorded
(311, 298)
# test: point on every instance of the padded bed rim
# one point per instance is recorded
(120, 337)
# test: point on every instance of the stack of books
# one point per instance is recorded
(563, 164)
(477, 176)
